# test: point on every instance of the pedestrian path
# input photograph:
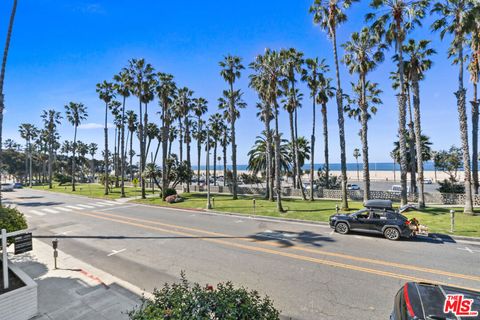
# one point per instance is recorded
(56, 209)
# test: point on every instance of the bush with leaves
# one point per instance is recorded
(333, 181)
(451, 186)
(62, 178)
(185, 301)
(170, 192)
(12, 220)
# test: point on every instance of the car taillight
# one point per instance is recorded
(407, 223)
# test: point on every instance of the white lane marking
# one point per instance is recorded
(63, 209)
(97, 204)
(85, 206)
(112, 202)
(49, 210)
(106, 203)
(75, 208)
(115, 208)
(468, 250)
(38, 213)
(114, 252)
(239, 221)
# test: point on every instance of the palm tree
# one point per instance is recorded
(314, 76)
(329, 14)
(123, 83)
(258, 156)
(2, 73)
(231, 66)
(180, 112)
(51, 119)
(294, 65)
(356, 155)
(106, 93)
(165, 91)
(92, 150)
(199, 108)
(152, 133)
(142, 80)
(269, 68)
(363, 52)
(398, 18)
(453, 20)
(28, 132)
(215, 126)
(132, 123)
(325, 93)
(115, 107)
(75, 114)
(185, 100)
(419, 62)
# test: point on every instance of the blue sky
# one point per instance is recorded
(61, 49)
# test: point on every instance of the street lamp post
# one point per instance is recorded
(209, 204)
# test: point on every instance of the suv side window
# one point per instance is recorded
(378, 214)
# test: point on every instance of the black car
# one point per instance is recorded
(378, 216)
(425, 301)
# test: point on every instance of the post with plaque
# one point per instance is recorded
(22, 243)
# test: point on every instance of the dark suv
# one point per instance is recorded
(425, 301)
(378, 216)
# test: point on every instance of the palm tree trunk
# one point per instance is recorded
(131, 155)
(325, 145)
(142, 149)
(278, 179)
(475, 115)
(189, 162)
(297, 158)
(199, 154)
(180, 139)
(411, 146)
(234, 144)
(2, 77)
(30, 165)
(462, 114)
(341, 123)
(25, 177)
(269, 160)
(165, 139)
(73, 158)
(293, 149)
(215, 163)
(105, 157)
(156, 151)
(224, 163)
(122, 159)
(401, 126)
(312, 147)
(418, 141)
(364, 137)
(50, 166)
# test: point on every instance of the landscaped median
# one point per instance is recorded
(93, 190)
(437, 219)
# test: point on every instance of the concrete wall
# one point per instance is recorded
(22, 303)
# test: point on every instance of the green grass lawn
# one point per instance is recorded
(93, 190)
(437, 219)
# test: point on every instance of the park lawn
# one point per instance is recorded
(437, 219)
(93, 190)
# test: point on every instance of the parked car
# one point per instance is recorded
(398, 189)
(427, 181)
(352, 186)
(306, 186)
(427, 301)
(18, 185)
(7, 187)
(378, 216)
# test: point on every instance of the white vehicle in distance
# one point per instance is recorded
(7, 186)
(353, 186)
(427, 181)
(398, 189)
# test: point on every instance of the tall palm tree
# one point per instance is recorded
(51, 119)
(292, 66)
(398, 18)
(106, 93)
(313, 75)
(132, 123)
(418, 62)
(142, 80)
(356, 155)
(269, 68)
(363, 52)
(224, 142)
(28, 132)
(2, 73)
(453, 20)
(165, 90)
(75, 114)
(329, 14)
(325, 93)
(115, 108)
(231, 66)
(92, 150)
(123, 83)
(199, 108)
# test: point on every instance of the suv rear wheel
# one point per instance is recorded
(391, 234)
(342, 228)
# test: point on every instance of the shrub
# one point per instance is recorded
(12, 220)
(449, 186)
(62, 178)
(170, 192)
(185, 301)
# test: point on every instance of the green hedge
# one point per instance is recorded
(12, 220)
(185, 301)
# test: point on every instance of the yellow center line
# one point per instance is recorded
(269, 251)
(309, 250)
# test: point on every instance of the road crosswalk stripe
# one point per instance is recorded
(75, 208)
(112, 202)
(63, 209)
(49, 210)
(85, 206)
(107, 203)
(97, 204)
(38, 213)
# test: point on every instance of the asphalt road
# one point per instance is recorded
(309, 271)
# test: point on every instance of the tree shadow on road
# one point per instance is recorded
(289, 238)
(39, 204)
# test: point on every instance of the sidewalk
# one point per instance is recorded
(76, 290)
